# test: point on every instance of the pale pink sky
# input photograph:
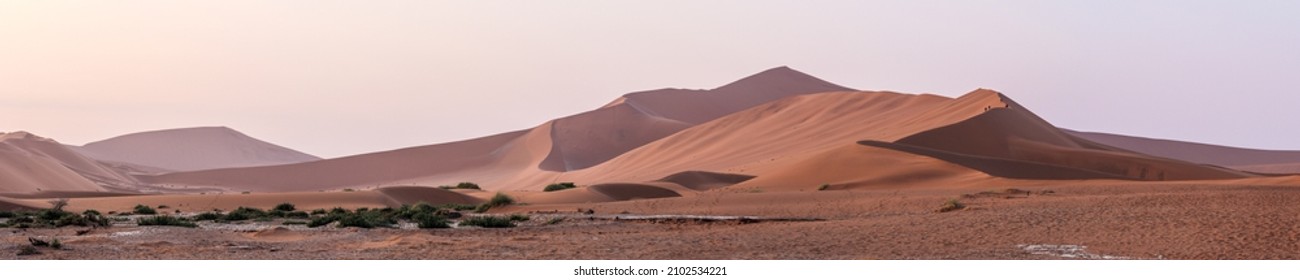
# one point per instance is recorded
(334, 78)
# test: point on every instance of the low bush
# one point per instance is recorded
(321, 221)
(559, 187)
(428, 220)
(244, 213)
(488, 222)
(500, 199)
(462, 185)
(208, 216)
(518, 217)
(165, 221)
(286, 207)
(144, 210)
(297, 215)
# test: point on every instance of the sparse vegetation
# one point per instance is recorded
(488, 222)
(297, 215)
(166, 221)
(55, 217)
(497, 200)
(208, 216)
(951, 205)
(286, 207)
(501, 199)
(559, 187)
(519, 217)
(430, 220)
(462, 185)
(244, 213)
(144, 210)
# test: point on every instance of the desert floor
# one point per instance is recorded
(1140, 221)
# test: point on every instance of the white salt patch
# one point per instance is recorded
(1066, 251)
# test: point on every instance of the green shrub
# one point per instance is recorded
(244, 213)
(297, 215)
(559, 187)
(7, 214)
(276, 213)
(427, 220)
(286, 207)
(72, 220)
(483, 208)
(518, 217)
(318, 212)
(488, 222)
(462, 185)
(364, 220)
(56, 244)
(500, 199)
(321, 221)
(459, 207)
(208, 216)
(165, 221)
(144, 210)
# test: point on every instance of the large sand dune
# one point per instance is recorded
(30, 163)
(189, 149)
(1269, 161)
(526, 159)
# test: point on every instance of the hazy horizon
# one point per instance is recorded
(337, 79)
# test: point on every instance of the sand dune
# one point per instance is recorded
(630, 191)
(189, 149)
(415, 194)
(527, 159)
(704, 180)
(361, 170)
(30, 163)
(1010, 131)
(748, 142)
(1193, 152)
(1282, 168)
